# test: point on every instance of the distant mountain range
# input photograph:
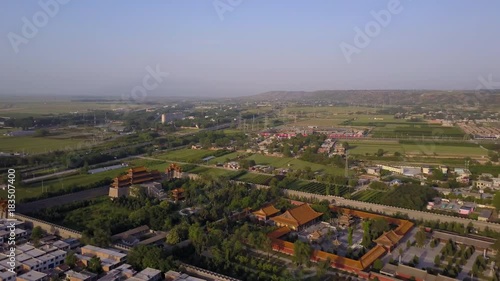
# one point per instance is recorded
(387, 97)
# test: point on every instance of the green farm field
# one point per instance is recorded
(215, 172)
(185, 155)
(361, 147)
(30, 144)
(34, 106)
(285, 162)
(321, 122)
(330, 110)
(416, 130)
(223, 158)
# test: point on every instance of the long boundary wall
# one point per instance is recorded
(390, 210)
(51, 228)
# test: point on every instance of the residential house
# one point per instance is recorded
(32, 275)
(80, 276)
(485, 215)
(148, 274)
(232, 165)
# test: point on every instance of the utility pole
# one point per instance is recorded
(346, 172)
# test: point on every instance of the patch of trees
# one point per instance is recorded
(372, 229)
(420, 237)
(479, 266)
(229, 245)
(143, 256)
(245, 163)
(410, 196)
(220, 198)
(378, 185)
(496, 200)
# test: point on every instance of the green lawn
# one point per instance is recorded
(186, 155)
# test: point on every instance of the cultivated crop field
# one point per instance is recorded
(186, 155)
(370, 196)
(321, 122)
(361, 147)
(215, 172)
(33, 106)
(292, 163)
(223, 158)
(418, 130)
(256, 178)
(33, 145)
(318, 188)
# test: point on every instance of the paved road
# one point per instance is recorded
(63, 199)
(54, 175)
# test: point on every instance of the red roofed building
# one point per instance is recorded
(121, 184)
(298, 217)
(265, 213)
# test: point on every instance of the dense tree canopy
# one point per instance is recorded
(411, 196)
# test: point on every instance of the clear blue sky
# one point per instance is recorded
(103, 47)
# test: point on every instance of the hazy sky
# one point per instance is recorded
(103, 47)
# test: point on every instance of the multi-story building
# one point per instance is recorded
(122, 272)
(32, 275)
(174, 171)
(80, 276)
(110, 259)
(7, 276)
(482, 184)
(148, 274)
(121, 184)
